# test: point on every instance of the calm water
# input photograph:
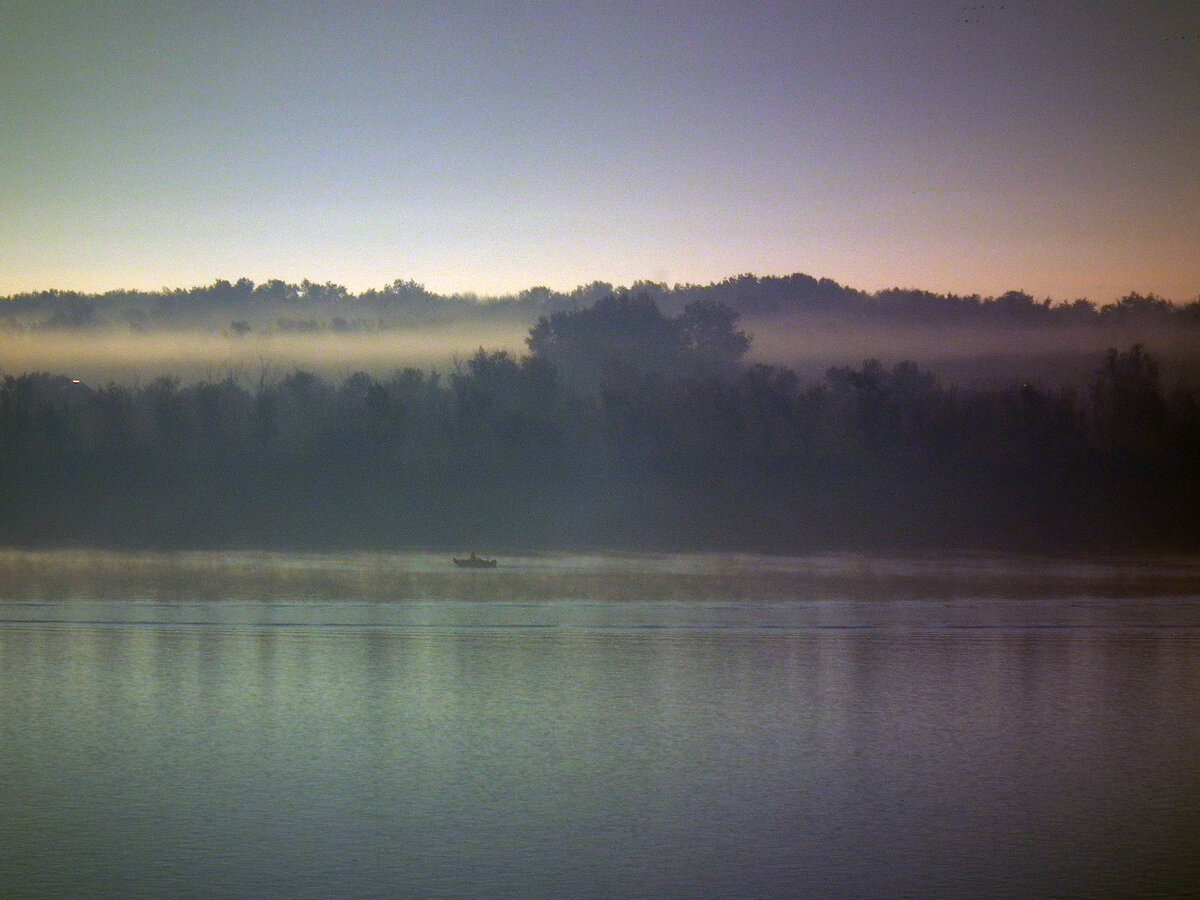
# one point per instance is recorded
(570, 726)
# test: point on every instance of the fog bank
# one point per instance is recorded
(97, 357)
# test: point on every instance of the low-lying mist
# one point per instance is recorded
(98, 357)
(968, 356)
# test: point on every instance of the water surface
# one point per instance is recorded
(607, 726)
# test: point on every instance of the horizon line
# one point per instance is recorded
(644, 283)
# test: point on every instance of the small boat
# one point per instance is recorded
(475, 562)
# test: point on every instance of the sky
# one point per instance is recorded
(1044, 145)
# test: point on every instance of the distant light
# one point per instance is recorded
(74, 381)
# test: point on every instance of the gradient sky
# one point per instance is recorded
(1047, 145)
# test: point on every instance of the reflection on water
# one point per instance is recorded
(283, 577)
(596, 726)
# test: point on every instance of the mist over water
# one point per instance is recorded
(649, 726)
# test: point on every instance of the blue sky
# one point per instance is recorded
(1046, 145)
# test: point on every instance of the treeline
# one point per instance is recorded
(623, 427)
(243, 306)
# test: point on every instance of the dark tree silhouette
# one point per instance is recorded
(626, 336)
(623, 427)
(1128, 402)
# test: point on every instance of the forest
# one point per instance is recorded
(626, 424)
(243, 306)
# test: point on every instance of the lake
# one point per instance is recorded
(290, 725)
